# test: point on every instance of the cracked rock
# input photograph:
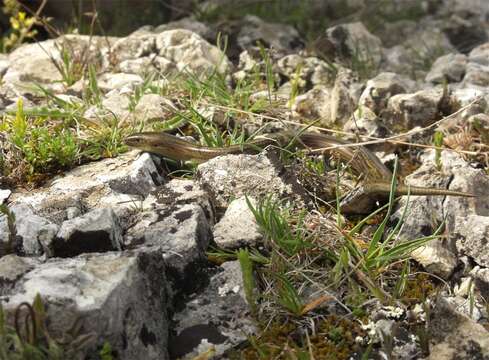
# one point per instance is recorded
(95, 231)
(233, 176)
(219, 314)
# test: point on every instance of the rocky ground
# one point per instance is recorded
(135, 256)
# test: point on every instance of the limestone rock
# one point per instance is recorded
(95, 231)
(238, 226)
(450, 68)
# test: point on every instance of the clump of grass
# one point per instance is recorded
(42, 146)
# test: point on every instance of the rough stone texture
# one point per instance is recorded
(120, 297)
(410, 110)
(232, 176)
(95, 231)
(427, 212)
(32, 229)
(308, 71)
(32, 63)
(181, 233)
(481, 280)
(191, 24)
(238, 226)
(472, 233)
(152, 107)
(110, 81)
(176, 219)
(12, 268)
(219, 314)
(118, 183)
(450, 68)
(190, 52)
(168, 51)
(365, 122)
(480, 54)
(379, 89)
(354, 40)
(314, 104)
(476, 75)
(455, 336)
(283, 38)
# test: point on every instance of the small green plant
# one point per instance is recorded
(438, 143)
(248, 279)
(288, 296)
(43, 148)
(275, 225)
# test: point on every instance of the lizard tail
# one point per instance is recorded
(384, 188)
(420, 190)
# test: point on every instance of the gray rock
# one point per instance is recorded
(12, 268)
(135, 46)
(472, 234)
(481, 280)
(111, 81)
(410, 110)
(233, 176)
(480, 54)
(191, 24)
(113, 105)
(35, 63)
(120, 298)
(118, 183)
(190, 52)
(455, 336)
(476, 75)
(153, 107)
(353, 40)
(312, 71)
(32, 230)
(238, 226)
(219, 314)
(450, 68)
(148, 64)
(427, 212)
(379, 89)
(365, 122)
(314, 104)
(181, 233)
(95, 231)
(280, 37)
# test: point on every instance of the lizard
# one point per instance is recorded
(363, 162)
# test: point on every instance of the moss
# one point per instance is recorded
(418, 288)
(334, 339)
